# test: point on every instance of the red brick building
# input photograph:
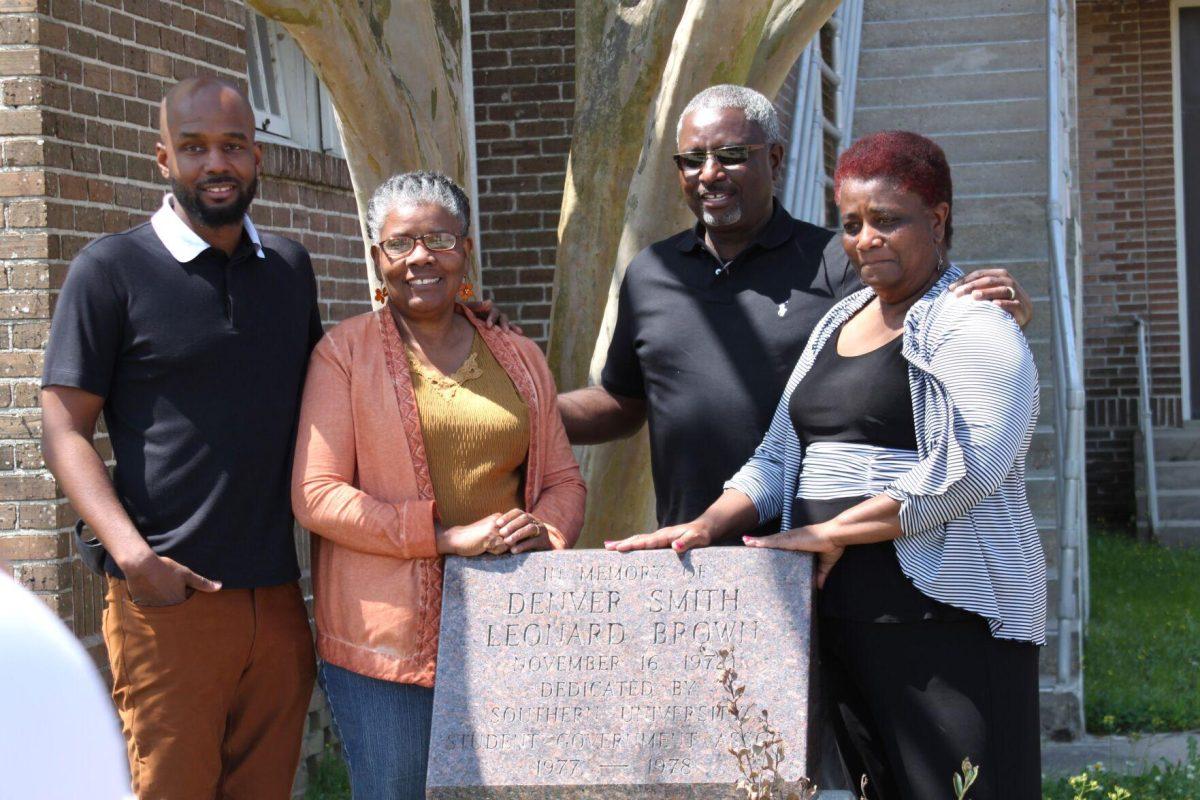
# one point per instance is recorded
(1138, 180)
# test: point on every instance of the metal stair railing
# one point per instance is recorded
(1068, 372)
(1146, 428)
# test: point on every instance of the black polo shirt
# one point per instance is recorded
(201, 365)
(710, 348)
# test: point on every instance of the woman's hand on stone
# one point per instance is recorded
(473, 539)
(805, 539)
(679, 538)
(522, 531)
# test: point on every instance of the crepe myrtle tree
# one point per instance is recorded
(394, 72)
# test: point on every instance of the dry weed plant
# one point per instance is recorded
(758, 747)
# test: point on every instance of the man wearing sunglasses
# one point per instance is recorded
(711, 321)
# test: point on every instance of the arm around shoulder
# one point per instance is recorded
(560, 503)
(324, 497)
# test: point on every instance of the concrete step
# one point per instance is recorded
(983, 28)
(892, 11)
(985, 146)
(939, 61)
(1171, 474)
(1177, 505)
(1028, 208)
(1048, 655)
(999, 178)
(1043, 498)
(1177, 444)
(1048, 535)
(1001, 85)
(1062, 710)
(1007, 237)
(936, 119)
(1180, 533)
(1042, 453)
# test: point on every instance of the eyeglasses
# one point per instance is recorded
(728, 156)
(435, 242)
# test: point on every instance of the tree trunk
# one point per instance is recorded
(395, 76)
(630, 90)
(394, 73)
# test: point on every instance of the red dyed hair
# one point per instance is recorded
(910, 161)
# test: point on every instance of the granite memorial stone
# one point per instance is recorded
(591, 674)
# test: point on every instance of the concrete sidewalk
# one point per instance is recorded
(1118, 753)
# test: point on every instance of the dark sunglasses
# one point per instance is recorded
(728, 156)
(436, 242)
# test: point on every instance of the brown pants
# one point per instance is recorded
(213, 692)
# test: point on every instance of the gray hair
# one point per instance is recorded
(413, 189)
(755, 105)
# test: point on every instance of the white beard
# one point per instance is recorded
(728, 217)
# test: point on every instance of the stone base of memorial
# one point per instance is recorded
(591, 674)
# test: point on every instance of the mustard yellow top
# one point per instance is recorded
(476, 430)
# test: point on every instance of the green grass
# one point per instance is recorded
(329, 779)
(1142, 655)
(1161, 782)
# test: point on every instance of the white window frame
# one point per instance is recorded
(260, 52)
(1180, 211)
(329, 126)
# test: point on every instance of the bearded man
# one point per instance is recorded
(191, 333)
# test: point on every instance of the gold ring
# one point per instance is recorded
(1012, 293)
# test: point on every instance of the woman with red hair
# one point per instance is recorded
(897, 458)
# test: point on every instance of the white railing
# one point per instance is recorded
(806, 180)
(1146, 428)
(1068, 373)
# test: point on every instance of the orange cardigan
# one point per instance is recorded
(360, 482)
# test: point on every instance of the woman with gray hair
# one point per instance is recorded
(423, 432)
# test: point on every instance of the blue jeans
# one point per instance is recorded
(384, 728)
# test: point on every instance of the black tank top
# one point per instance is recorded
(863, 399)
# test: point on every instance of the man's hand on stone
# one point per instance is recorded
(679, 538)
(161, 581)
(1000, 287)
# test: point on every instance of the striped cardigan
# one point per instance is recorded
(969, 537)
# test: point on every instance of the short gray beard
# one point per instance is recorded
(727, 218)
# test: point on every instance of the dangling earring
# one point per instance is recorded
(466, 292)
(381, 294)
(942, 265)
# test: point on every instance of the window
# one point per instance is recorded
(266, 89)
(290, 104)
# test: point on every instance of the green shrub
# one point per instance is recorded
(1163, 781)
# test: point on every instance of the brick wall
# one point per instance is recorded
(1126, 165)
(524, 69)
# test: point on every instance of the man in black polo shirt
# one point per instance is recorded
(192, 333)
(711, 321)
